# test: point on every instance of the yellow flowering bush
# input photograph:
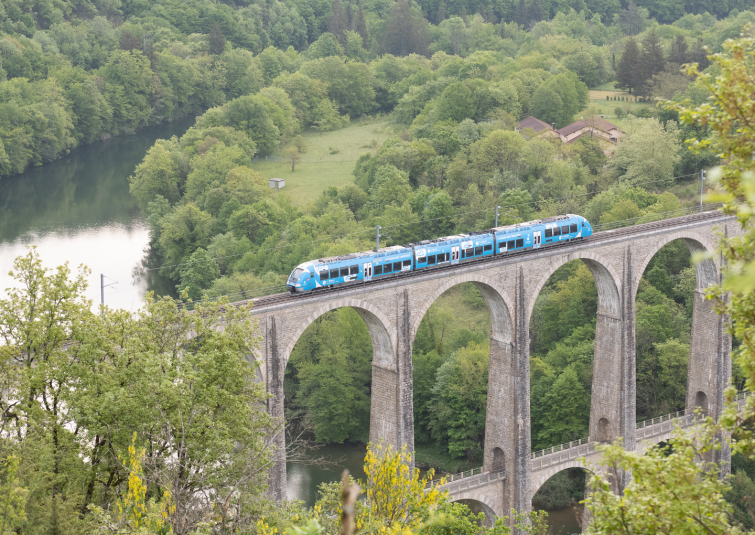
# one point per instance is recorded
(395, 497)
(133, 513)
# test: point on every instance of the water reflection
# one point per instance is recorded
(79, 209)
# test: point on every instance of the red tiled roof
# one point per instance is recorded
(574, 127)
(536, 124)
(600, 124)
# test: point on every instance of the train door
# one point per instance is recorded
(455, 255)
(368, 272)
(536, 240)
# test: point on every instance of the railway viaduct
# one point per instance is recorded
(393, 308)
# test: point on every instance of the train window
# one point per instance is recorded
(462, 253)
(477, 251)
(556, 231)
(488, 247)
(345, 271)
(333, 273)
(387, 268)
(378, 270)
(572, 228)
(407, 263)
(430, 260)
(502, 246)
(354, 270)
(421, 259)
(470, 252)
(397, 266)
(324, 275)
(520, 243)
(511, 244)
(448, 257)
(548, 233)
(565, 230)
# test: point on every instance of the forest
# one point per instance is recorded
(451, 79)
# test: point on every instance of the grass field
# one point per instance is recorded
(319, 168)
(608, 109)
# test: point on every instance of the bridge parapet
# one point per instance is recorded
(473, 482)
(648, 432)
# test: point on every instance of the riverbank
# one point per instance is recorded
(78, 209)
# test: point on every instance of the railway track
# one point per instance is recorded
(596, 238)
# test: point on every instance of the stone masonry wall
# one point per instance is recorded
(394, 309)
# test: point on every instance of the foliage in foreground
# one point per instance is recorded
(394, 501)
(77, 387)
(675, 493)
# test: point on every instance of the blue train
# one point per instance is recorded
(429, 254)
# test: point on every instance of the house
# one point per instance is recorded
(591, 127)
(540, 127)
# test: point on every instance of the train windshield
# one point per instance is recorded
(295, 274)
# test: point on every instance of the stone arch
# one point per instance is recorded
(490, 515)
(607, 280)
(605, 431)
(701, 401)
(499, 304)
(378, 325)
(709, 365)
(707, 271)
(498, 459)
(540, 477)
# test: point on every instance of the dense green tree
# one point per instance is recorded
(629, 70)
(350, 84)
(328, 376)
(460, 400)
(128, 88)
(679, 53)
(455, 103)
(216, 40)
(652, 58)
(406, 32)
(198, 274)
(649, 152)
(174, 375)
(160, 173)
(569, 410)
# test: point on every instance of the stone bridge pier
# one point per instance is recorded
(393, 309)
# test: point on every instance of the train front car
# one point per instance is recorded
(301, 279)
(586, 228)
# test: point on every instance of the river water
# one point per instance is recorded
(78, 209)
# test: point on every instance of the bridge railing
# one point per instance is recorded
(689, 417)
(649, 218)
(456, 477)
(560, 447)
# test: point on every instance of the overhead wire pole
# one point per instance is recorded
(496, 215)
(702, 177)
(102, 291)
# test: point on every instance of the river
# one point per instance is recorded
(78, 209)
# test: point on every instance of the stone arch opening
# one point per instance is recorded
(477, 506)
(575, 364)
(472, 359)
(559, 495)
(498, 462)
(701, 401)
(678, 335)
(604, 432)
(318, 346)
